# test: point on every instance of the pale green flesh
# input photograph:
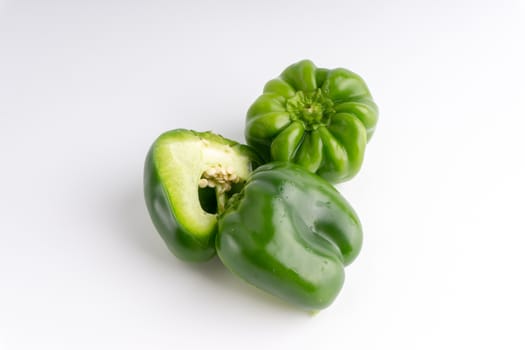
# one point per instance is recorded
(180, 162)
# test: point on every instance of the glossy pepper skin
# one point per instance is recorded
(290, 233)
(186, 176)
(319, 118)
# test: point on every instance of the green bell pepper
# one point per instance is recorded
(290, 233)
(188, 176)
(321, 119)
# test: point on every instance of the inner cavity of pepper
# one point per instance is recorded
(214, 186)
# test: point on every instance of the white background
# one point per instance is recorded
(86, 86)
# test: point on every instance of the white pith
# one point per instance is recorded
(183, 164)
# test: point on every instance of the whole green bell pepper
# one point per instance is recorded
(315, 117)
(290, 233)
(188, 176)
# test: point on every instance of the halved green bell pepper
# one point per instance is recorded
(188, 176)
(290, 233)
(321, 119)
